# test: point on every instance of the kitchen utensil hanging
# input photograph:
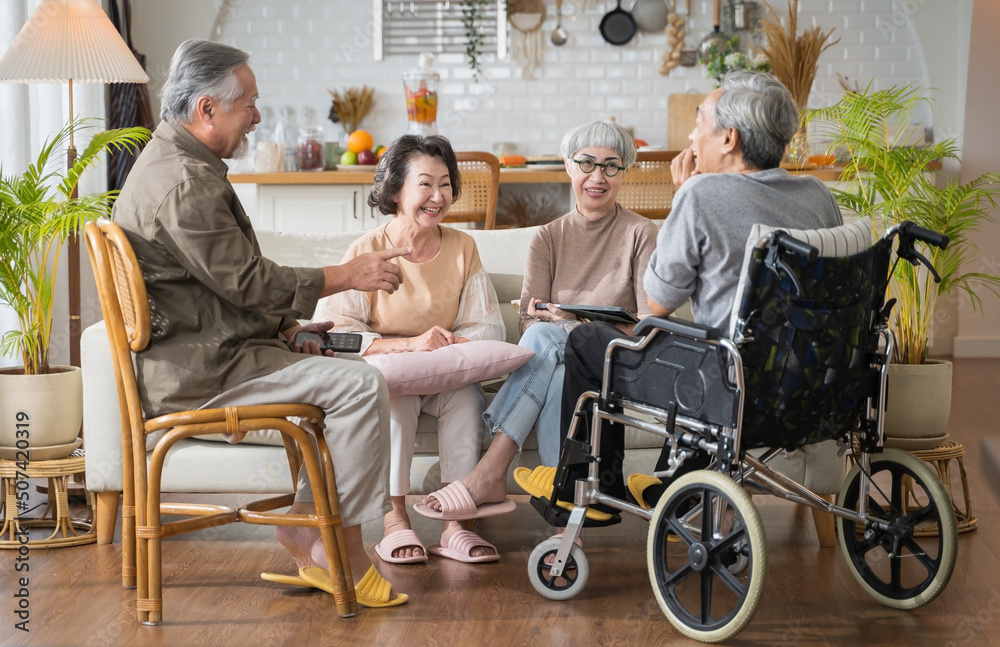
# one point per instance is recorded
(651, 16)
(526, 18)
(716, 38)
(559, 37)
(618, 26)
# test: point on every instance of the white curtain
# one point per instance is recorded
(31, 113)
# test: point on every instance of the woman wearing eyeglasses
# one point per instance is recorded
(594, 255)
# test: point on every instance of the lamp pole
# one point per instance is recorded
(73, 255)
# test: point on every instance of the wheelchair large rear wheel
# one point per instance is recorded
(907, 566)
(707, 556)
(566, 585)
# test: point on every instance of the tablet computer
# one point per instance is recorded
(613, 314)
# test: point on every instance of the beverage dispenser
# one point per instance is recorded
(422, 85)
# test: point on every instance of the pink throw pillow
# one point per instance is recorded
(448, 368)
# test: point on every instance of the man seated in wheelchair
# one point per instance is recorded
(727, 181)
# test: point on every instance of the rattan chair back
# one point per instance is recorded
(648, 187)
(480, 184)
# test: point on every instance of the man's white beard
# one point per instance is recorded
(242, 149)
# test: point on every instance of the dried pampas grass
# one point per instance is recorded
(352, 106)
(793, 57)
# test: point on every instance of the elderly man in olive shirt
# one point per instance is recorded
(223, 315)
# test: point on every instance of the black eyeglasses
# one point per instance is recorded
(610, 169)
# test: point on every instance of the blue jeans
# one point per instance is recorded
(532, 395)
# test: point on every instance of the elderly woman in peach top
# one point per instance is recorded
(444, 298)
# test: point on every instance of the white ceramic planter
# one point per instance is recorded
(48, 407)
(919, 404)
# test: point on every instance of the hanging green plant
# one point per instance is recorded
(472, 18)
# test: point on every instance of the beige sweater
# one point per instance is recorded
(591, 262)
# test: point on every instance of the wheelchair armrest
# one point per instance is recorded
(679, 326)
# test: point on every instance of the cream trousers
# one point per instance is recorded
(459, 431)
(356, 402)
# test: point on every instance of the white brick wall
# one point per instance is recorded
(302, 48)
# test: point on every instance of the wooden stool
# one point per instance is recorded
(940, 458)
(56, 514)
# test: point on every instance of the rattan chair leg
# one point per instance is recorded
(328, 508)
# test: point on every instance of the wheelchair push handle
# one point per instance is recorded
(785, 241)
(910, 229)
(909, 232)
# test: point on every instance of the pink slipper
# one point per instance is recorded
(460, 547)
(457, 505)
(400, 539)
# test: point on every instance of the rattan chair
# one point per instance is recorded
(648, 188)
(126, 313)
(480, 184)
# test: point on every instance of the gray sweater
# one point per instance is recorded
(700, 248)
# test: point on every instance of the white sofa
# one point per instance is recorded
(261, 466)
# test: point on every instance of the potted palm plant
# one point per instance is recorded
(888, 179)
(41, 404)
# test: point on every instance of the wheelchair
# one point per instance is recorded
(806, 361)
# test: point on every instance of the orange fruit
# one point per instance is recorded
(360, 140)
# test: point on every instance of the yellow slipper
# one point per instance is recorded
(287, 580)
(637, 484)
(373, 591)
(538, 483)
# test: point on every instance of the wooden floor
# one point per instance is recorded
(214, 594)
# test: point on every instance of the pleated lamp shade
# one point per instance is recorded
(70, 40)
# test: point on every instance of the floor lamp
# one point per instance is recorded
(70, 40)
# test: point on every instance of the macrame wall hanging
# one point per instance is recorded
(526, 18)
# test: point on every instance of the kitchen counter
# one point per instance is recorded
(541, 174)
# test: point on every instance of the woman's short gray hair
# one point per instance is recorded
(200, 68)
(762, 111)
(599, 134)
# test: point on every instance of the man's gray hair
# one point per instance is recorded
(200, 68)
(764, 113)
(599, 134)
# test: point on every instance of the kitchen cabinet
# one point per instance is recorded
(318, 209)
(324, 202)
(335, 201)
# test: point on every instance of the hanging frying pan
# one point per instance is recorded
(618, 26)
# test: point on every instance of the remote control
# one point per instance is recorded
(338, 342)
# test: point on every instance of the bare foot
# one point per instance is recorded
(397, 520)
(449, 528)
(299, 541)
(487, 482)
(482, 487)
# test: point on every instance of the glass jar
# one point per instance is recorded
(311, 149)
(421, 86)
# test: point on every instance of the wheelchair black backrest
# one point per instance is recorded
(807, 338)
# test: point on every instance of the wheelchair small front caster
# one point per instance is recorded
(569, 583)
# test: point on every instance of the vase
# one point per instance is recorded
(919, 404)
(41, 413)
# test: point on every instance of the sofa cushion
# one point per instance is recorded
(450, 367)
